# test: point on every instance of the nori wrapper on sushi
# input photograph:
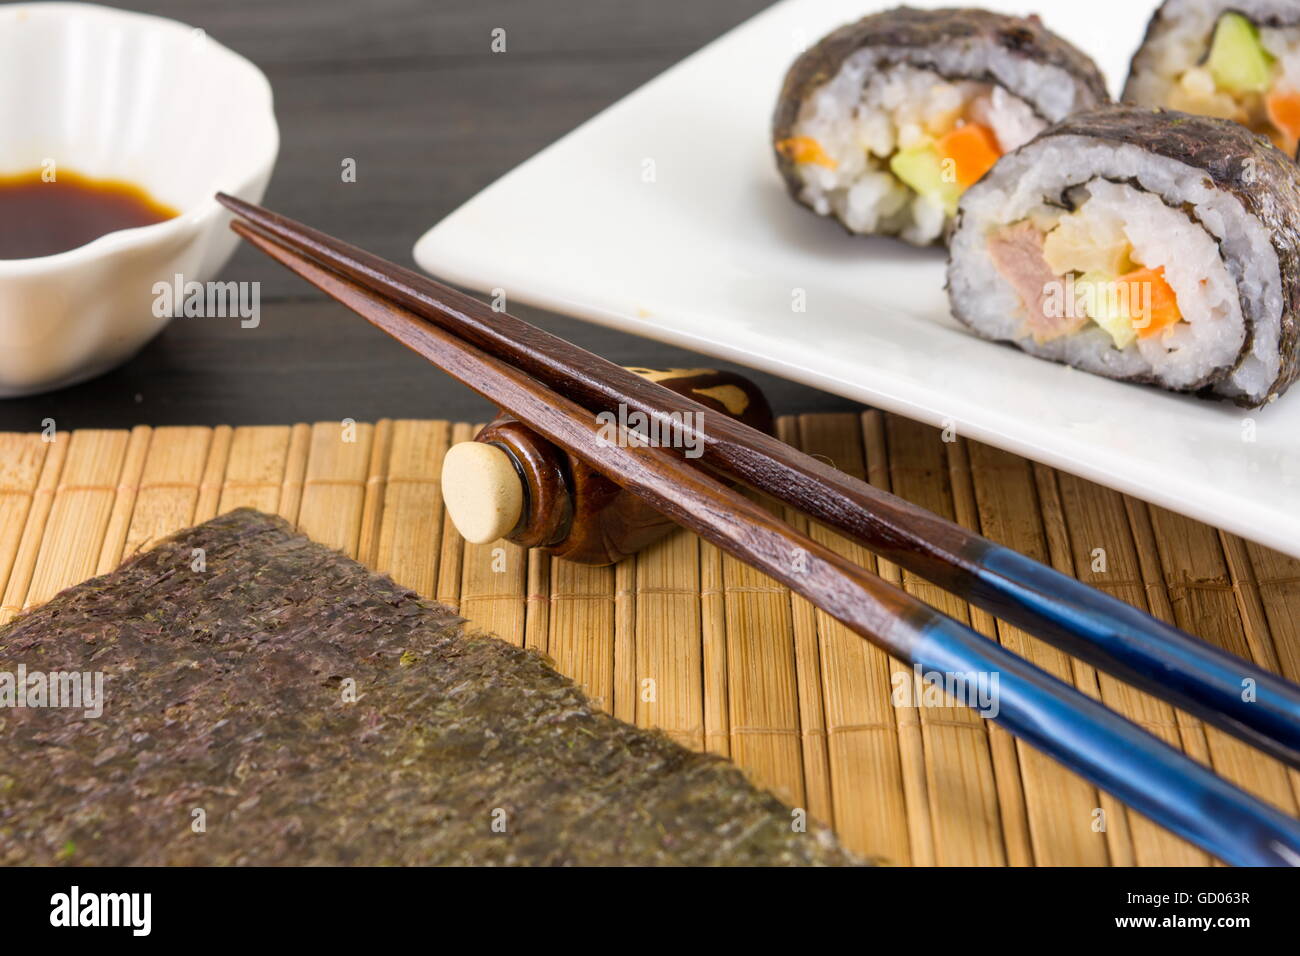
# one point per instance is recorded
(906, 28)
(1263, 178)
(225, 691)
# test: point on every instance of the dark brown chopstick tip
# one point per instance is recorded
(229, 201)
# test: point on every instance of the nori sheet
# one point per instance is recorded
(224, 691)
(1237, 161)
(915, 31)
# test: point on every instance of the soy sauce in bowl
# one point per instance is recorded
(43, 214)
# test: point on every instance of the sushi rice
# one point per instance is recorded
(865, 115)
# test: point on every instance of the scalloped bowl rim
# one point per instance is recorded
(192, 218)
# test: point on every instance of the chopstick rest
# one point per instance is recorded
(568, 508)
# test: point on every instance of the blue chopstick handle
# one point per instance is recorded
(1220, 688)
(1116, 755)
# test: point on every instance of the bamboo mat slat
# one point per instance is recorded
(337, 479)
(960, 779)
(84, 503)
(22, 461)
(1205, 602)
(850, 682)
(911, 732)
(688, 640)
(762, 686)
(1102, 553)
(663, 639)
(625, 645)
(582, 604)
(22, 559)
(818, 783)
(713, 636)
(451, 557)
(1013, 811)
(1062, 807)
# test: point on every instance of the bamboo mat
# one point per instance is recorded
(687, 639)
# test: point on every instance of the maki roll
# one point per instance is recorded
(1234, 59)
(885, 122)
(1145, 245)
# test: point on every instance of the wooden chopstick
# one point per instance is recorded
(1086, 623)
(1080, 732)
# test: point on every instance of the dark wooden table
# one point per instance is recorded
(411, 90)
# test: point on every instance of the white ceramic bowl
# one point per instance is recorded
(129, 97)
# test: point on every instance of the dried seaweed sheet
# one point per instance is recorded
(228, 735)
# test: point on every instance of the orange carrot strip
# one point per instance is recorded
(805, 149)
(1284, 111)
(1159, 311)
(973, 149)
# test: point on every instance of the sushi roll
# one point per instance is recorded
(1145, 245)
(1234, 59)
(885, 122)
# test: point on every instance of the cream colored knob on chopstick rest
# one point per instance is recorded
(482, 490)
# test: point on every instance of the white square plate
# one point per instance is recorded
(664, 216)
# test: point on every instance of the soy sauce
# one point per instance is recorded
(40, 218)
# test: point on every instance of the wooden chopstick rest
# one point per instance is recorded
(509, 482)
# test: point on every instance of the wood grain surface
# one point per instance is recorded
(411, 91)
(722, 658)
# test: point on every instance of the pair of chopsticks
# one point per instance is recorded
(557, 389)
